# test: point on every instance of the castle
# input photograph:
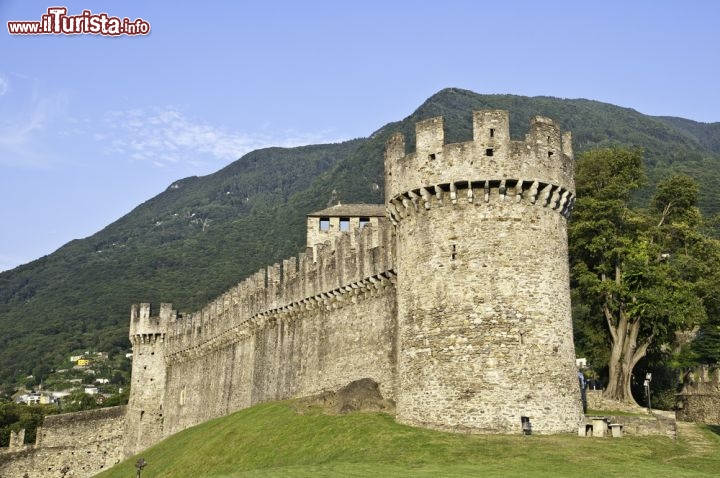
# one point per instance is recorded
(453, 296)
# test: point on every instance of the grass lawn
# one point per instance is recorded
(272, 440)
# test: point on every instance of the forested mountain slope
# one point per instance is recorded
(203, 234)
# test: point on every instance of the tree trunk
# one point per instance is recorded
(619, 375)
(625, 354)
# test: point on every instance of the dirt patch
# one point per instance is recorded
(360, 395)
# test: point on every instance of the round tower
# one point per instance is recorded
(484, 327)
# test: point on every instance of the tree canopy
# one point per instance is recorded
(640, 275)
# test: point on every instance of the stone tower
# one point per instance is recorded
(144, 418)
(331, 222)
(484, 327)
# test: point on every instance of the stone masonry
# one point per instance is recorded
(74, 445)
(699, 400)
(455, 300)
(484, 325)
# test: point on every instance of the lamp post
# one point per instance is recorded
(648, 379)
(140, 465)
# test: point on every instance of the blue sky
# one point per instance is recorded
(92, 126)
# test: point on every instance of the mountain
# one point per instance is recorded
(707, 134)
(203, 234)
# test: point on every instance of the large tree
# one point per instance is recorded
(626, 266)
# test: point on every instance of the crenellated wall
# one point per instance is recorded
(297, 284)
(295, 328)
(289, 354)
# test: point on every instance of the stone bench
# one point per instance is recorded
(616, 430)
(599, 426)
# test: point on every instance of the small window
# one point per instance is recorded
(550, 153)
(492, 132)
(364, 221)
(344, 223)
(489, 152)
(324, 223)
(432, 156)
(453, 255)
(526, 426)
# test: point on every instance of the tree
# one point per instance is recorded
(620, 269)
(15, 417)
(687, 236)
(78, 401)
(706, 347)
(120, 398)
(676, 197)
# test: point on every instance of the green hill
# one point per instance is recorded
(273, 440)
(203, 234)
(707, 134)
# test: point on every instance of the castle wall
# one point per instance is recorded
(291, 356)
(308, 324)
(699, 400)
(84, 442)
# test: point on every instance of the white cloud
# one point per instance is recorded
(25, 124)
(37, 130)
(164, 136)
(3, 86)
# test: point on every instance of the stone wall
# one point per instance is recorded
(312, 323)
(699, 400)
(84, 443)
(645, 425)
(291, 356)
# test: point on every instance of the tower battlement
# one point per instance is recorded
(145, 326)
(491, 160)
